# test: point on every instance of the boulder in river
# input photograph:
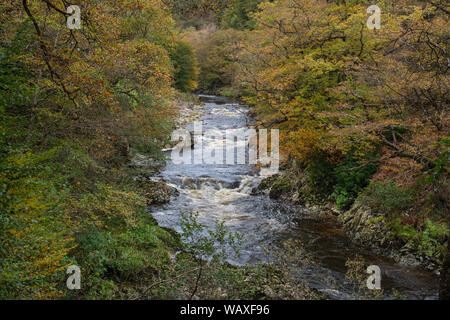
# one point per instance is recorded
(279, 186)
(158, 192)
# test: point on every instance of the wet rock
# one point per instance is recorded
(364, 226)
(158, 192)
(267, 183)
(188, 112)
(277, 185)
(281, 187)
(369, 229)
(256, 192)
(144, 162)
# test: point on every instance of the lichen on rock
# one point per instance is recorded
(365, 226)
(158, 192)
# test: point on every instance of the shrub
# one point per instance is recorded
(320, 178)
(386, 197)
(342, 182)
(433, 238)
(349, 182)
(34, 236)
(185, 64)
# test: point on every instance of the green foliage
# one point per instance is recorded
(428, 240)
(320, 179)
(406, 233)
(350, 181)
(342, 182)
(207, 243)
(238, 15)
(185, 64)
(433, 239)
(386, 197)
(34, 237)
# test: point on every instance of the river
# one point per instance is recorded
(223, 192)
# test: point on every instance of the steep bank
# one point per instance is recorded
(365, 227)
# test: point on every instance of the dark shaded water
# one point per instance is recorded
(222, 192)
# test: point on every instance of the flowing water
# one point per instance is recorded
(223, 192)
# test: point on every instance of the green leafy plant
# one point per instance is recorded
(386, 197)
(351, 179)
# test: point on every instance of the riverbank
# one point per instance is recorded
(175, 278)
(230, 194)
(365, 227)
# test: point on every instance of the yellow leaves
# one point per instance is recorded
(300, 144)
(36, 240)
(317, 73)
(107, 205)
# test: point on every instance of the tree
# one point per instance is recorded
(185, 64)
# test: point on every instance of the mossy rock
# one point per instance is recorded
(281, 187)
(157, 192)
(267, 183)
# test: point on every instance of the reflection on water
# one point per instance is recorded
(223, 192)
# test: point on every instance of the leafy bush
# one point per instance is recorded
(386, 197)
(350, 182)
(342, 182)
(125, 254)
(320, 179)
(428, 240)
(185, 64)
(433, 238)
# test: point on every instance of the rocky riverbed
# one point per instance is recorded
(268, 213)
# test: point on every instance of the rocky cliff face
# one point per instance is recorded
(370, 230)
(365, 227)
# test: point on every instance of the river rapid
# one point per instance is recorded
(224, 193)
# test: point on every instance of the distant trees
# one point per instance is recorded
(216, 52)
(185, 64)
(238, 14)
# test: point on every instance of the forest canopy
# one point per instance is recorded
(362, 112)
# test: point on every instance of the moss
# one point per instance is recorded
(375, 220)
(267, 183)
(280, 187)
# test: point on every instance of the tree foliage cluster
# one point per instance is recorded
(74, 105)
(354, 106)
